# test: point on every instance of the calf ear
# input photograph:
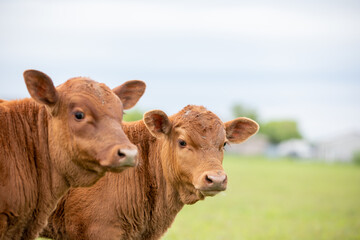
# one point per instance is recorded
(157, 122)
(240, 129)
(41, 87)
(130, 92)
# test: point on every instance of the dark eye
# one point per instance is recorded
(224, 146)
(79, 115)
(182, 143)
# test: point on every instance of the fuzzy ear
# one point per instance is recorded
(41, 87)
(240, 129)
(130, 92)
(157, 122)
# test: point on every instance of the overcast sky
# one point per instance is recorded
(287, 59)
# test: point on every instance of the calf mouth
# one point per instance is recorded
(123, 165)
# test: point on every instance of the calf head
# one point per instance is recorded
(85, 123)
(192, 148)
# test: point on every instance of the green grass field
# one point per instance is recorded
(277, 199)
(280, 199)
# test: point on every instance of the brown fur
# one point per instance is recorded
(44, 149)
(142, 202)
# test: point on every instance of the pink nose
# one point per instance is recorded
(127, 157)
(214, 181)
(120, 158)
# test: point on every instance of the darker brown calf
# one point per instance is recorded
(63, 137)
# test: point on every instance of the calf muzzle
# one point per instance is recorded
(212, 182)
(120, 158)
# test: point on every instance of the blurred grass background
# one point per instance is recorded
(280, 199)
(277, 199)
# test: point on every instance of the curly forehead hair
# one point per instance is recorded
(98, 91)
(198, 117)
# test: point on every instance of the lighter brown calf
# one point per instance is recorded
(65, 136)
(181, 163)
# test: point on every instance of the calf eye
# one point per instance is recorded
(223, 148)
(182, 143)
(79, 115)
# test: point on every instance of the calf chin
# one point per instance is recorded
(188, 194)
(191, 198)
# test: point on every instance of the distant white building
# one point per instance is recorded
(255, 145)
(338, 149)
(341, 148)
(297, 148)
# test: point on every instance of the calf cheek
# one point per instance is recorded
(85, 143)
(189, 166)
(87, 148)
(90, 141)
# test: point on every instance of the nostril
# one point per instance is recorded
(121, 154)
(208, 180)
(225, 179)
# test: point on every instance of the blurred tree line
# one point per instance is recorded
(276, 130)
